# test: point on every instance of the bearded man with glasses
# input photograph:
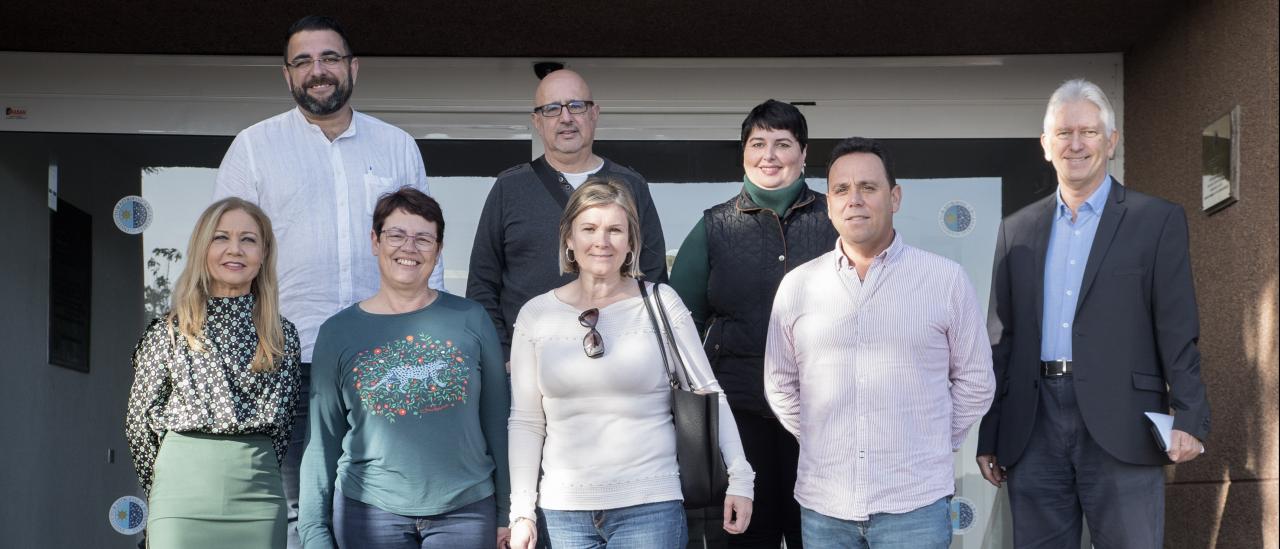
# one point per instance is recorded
(318, 170)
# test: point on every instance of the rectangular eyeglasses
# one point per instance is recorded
(552, 110)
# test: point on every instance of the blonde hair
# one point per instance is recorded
(602, 191)
(191, 293)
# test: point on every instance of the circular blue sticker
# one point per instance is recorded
(128, 515)
(963, 515)
(956, 218)
(132, 214)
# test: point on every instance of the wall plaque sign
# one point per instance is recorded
(1220, 162)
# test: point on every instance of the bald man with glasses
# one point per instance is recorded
(514, 255)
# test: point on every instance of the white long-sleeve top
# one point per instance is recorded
(320, 196)
(601, 428)
(879, 378)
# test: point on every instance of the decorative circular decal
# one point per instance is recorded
(956, 218)
(132, 214)
(963, 515)
(128, 515)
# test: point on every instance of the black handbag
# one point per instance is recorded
(703, 478)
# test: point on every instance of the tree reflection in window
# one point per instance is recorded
(156, 295)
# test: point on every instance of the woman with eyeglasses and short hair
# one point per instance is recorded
(215, 380)
(591, 401)
(407, 442)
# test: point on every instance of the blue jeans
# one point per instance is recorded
(928, 527)
(358, 524)
(647, 526)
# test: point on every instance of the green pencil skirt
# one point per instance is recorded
(216, 491)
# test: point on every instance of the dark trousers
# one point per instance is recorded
(706, 528)
(775, 515)
(293, 458)
(1064, 475)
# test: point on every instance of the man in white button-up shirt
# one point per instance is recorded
(317, 170)
(877, 361)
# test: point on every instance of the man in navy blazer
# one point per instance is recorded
(1093, 322)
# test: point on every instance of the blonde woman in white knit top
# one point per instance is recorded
(591, 402)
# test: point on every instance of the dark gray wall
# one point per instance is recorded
(1212, 56)
(541, 28)
(59, 424)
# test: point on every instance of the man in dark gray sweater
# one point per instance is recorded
(515, 255)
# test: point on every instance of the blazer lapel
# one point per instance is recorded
(1043, 231)
(1107, 226)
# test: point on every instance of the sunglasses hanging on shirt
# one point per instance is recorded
(593, 342)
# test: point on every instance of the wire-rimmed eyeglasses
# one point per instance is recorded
(593, 342)
(575, 106)
(397, 238)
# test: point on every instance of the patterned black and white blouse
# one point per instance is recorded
(177, 389)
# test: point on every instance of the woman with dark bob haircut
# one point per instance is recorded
(728, 271)
(407, 442)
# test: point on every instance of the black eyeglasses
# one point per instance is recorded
(552, 110)
(593, 342)
(326, 61)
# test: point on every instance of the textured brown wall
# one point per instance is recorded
(1210, 57)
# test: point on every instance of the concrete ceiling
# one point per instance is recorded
(619, 28)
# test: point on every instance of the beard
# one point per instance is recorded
(323, 107)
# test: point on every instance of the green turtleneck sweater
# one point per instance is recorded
(691, 270)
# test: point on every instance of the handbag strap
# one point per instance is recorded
(682, 369)
(549, 180)
(657, 332)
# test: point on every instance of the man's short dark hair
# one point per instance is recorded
(863, 145)
(776, 115)
(411, 201)
(316, 23)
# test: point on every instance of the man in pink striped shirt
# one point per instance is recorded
(877, 360)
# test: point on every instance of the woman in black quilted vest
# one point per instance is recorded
(727, 272)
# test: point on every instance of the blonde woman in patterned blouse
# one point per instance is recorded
(214, 386)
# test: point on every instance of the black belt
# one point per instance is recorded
(1057, 368)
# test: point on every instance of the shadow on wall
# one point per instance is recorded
(1260, 417)
(1238, 492)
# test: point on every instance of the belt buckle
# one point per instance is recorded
(1055, 368)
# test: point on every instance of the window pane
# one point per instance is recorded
(177, 197)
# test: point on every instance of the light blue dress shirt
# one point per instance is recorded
(1069, 245)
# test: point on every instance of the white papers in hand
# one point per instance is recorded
(1161, 429)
